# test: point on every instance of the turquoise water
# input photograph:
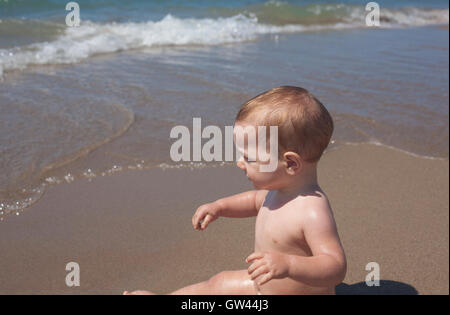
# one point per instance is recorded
(101, 98)
(143, 10)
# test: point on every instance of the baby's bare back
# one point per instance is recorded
(279, 227)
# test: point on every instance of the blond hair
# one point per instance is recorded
(304, 125)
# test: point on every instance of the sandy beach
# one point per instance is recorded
(133, 230)
(87, 117)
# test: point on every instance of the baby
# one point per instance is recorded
(297, 247)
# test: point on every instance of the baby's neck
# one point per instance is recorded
(301, 184)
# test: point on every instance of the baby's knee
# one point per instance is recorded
(231, 282)
(218, 280)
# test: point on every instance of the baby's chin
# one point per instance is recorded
(254, 184)
(266, 185)
(259, 185)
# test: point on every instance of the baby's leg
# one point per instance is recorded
(224, 283)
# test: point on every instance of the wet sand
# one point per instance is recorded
(133, 230)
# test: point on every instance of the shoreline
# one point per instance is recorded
(132, 230)
(51, 181)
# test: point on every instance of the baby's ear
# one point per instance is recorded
(293, 162)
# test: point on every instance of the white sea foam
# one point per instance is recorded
(90, 38)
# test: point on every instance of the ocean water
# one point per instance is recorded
(102, 97)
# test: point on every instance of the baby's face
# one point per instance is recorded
(262, 168)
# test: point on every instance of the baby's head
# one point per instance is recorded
(304, 131)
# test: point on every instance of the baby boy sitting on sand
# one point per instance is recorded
(297, 247)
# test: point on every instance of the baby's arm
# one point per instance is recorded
(325, 268)
(242, 205)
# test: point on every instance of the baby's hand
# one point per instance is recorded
(272, 265)
(205, 215)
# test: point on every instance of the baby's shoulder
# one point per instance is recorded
(316, 198)
(313, 205)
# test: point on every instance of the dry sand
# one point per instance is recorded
(133, 230)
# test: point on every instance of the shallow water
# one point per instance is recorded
(102, 98)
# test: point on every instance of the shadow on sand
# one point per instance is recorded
(387, 287)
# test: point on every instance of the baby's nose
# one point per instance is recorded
(241, 165)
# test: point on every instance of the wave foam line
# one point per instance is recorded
(90, 39)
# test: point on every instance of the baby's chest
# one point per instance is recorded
(277, 231)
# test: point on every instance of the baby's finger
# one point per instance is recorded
(193, 218)
(196, 219)
(260, 271)
(265, 278)
(256, 255)
(255, 265)
(206, 221)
